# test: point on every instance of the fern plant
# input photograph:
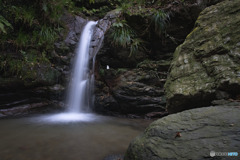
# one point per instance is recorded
(23, 14)
(136, 45)
(36, 26)
(122, 34)
(22, 39)
(131, 35)
(4, 24)
(160, 20)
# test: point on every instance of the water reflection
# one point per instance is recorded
(45, 138)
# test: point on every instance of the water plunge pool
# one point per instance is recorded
(43, 137)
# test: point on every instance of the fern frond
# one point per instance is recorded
(3, 24)
(160, 20)
(122, 34)
(135, 46)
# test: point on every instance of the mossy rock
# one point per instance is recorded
(191, 134)
(43, 74)
(208, 60)
(30, 68)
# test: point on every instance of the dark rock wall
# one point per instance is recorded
(134, 85)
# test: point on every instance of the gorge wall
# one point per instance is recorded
(204, 71)
(132, 85)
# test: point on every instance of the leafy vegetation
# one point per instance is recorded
(160, 20)
(122, 34)
(126, 35)
(23, 67)
(4, 24)
(30, 28)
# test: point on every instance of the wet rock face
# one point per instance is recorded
(65, 50)
(133, 91)
(190, 134)
(20, 94)
(115, 92)
(101, 28)
(207, 64)
(75, 25)
(19, 100)
(135, 94)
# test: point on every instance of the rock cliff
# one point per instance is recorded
(134, 84)
(206, 66)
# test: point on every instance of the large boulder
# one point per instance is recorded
(206, 66)
(191, 134)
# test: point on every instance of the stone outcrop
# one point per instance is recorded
(23, 92)
(191, 134)
(18, 100)
(75, 25)
(102, 27)
(115, 92)
(206, 66)
(135, 91)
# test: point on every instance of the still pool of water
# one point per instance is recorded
(51, 137)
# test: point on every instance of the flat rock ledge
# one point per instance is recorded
(191, 134)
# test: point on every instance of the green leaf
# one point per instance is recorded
(3, 23)
(2, 29)
(44, 7)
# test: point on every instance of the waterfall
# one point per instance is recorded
(79, 96)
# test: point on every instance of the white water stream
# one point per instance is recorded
(79, 96)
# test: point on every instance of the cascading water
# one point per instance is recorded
(79, 98)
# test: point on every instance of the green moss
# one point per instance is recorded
(101, 72)
(31, 67)
(121, 70)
